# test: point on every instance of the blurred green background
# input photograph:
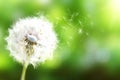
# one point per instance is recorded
(88, 32)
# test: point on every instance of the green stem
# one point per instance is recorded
(24, 71)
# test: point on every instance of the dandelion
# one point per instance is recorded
(31, 41)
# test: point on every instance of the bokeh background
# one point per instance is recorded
(88, 32)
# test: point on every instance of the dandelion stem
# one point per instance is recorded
(24, 71)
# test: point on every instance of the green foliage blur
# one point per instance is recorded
(88, 32)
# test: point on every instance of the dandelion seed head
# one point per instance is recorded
(32, 39)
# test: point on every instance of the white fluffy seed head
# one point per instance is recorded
(32, 35)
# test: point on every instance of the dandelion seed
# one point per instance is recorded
(80, 31)
(31, 41)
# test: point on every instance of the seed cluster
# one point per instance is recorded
(29, 46)
(32, 40)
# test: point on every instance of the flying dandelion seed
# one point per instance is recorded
(80, 31)
(31, 41)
